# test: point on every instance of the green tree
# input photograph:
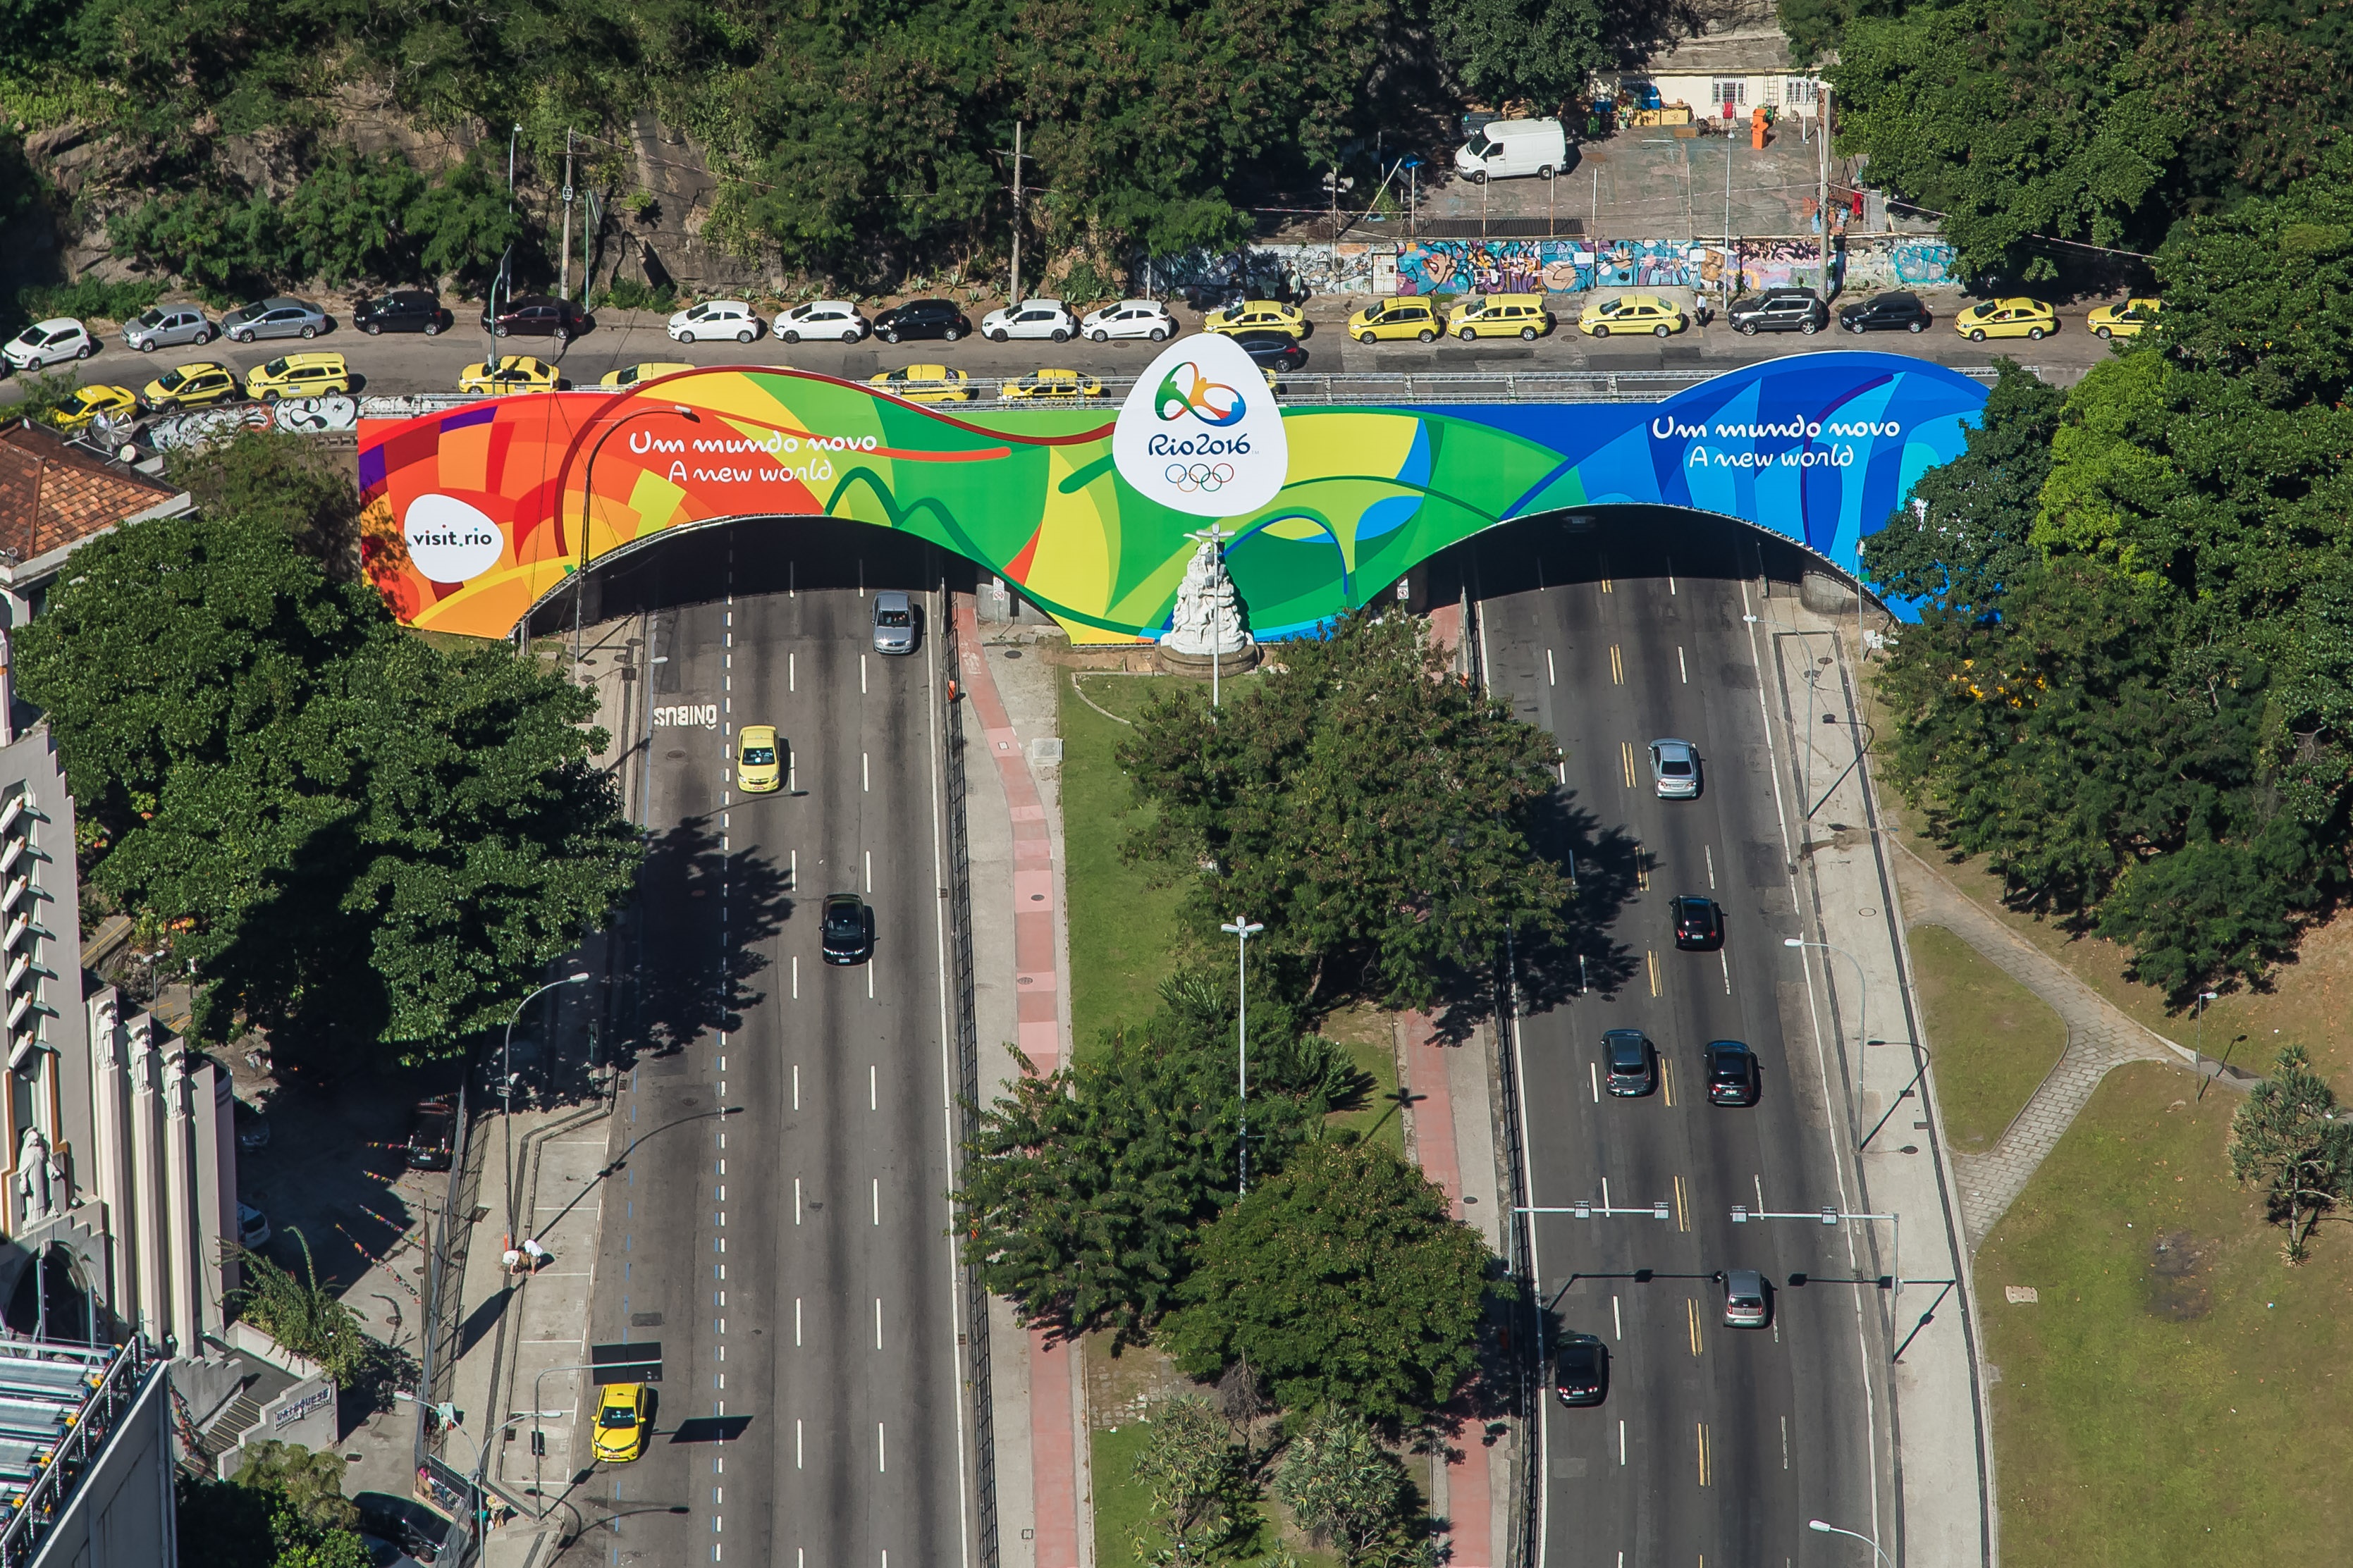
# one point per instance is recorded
(284, 481)
(1345, 1487)
(1197, 1478)
(464, 223)
(1342, 1280)
(1379, 818)
(2286, 1139)
(1502, 49)
(1082, 1190)
(284, 1509)
(362, 841)
(311, 1482)
(308, 1319)
(347, 220)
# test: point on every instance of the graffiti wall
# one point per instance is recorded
(1781, 264)
(1900, 262)
(476, 514)
(1356, 267)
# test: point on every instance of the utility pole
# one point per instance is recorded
(563, 268)
(1823, 160)
(1723, 270)
(1013, 302)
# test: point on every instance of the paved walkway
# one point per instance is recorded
(2100, 1036)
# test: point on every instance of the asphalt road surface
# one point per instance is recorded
(797, 1263)
(394, 364)
(1715, 1445)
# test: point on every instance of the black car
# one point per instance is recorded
(1580, 1371)
(1272, 351)
(1629, 1061)
(1699, 924)
(432, 1135)
(1778, 311)
(922, 319)
(403, 311)
(1885, 312)
(537, 316)
(1731, 1073)
(846, 931)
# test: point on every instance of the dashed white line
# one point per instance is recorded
(1552, 675)
(869, 871)
(792, 672)
(796, 977)
(873, 1088)
(881, 1450)
(1709, 851)
(800, 1453)
(796, 1200)
(865, 772)
(878, 1322)
(1681, 665)
(797, 1083)
(796, 1321)
(878, 1200)
(861, 675)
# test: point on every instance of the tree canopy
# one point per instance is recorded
(2133, 684)
(357, 841)
(1343, 1281)
(1381, 820)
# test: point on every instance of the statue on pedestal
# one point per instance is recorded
(34, 1167)
(1205, 627)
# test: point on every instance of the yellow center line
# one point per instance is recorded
(1667, 1080)
(1625, 756)
(1692, 1308)
(1682, 1217)
(1616, 666)
(1652, 954)
(1704, 1476)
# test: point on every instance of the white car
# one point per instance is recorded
(822, 319)
(1047, 319)
(1131, 319)
(252, 1227)
(716, 318)
(49, 342)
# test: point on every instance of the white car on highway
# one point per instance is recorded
(1131, 319)
(1047, 319)
(822, 319)
(716, 318)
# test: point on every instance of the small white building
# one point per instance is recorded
(1736, 66)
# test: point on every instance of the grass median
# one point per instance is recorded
(2175, 1394)
(1992, 1039)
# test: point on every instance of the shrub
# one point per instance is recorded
(631, 294)
(89, 300)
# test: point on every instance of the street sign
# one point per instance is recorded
(639, 1362)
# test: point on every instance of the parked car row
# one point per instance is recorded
(205, 383)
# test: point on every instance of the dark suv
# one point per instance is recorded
(537, 316)
(846, 931)
(1699, 924)
(1885, 312)
(1580, 1371)
(1632, 1066)
(1731, 1073)
(1778, 311)
(403, 311)
(432, 1135)
(922, 319)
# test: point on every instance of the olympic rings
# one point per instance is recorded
(1206, 478)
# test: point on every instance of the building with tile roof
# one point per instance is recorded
(57, 494)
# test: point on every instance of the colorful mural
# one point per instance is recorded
(476, 514)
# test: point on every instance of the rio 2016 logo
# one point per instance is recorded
(1184, 390)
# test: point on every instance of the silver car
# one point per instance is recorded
(894, 623)
(1674, 770)
(1747, 1299)
(275, 316)
(167, 326)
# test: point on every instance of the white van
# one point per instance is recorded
(1503, 148)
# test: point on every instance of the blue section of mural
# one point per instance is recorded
(1819, 448)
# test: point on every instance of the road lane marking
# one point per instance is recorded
(1626, 757)
(1726, 961)
(792, 772)
(881, 1450)
(1551, 675)
(1617, 1319)
(800, 1453)
(1616, 666)
(1706, 1477)
(1709, 850)
(793, 871)
(861, 675)
(865, 772)
(1759, 1180)
(1667, 1076)
(869, 871)
(878, 1322)
(1622, 1442)
(1681, 665)
(1682, 1216)
(796, 1084)
(873, 1092)
(870, 980)
(878, 1200)
(796, 1200)
(1593, 1072)
(1691, 1307)
(1650, 956)
(1785, 1442)
(797, 1322)
(796, 980)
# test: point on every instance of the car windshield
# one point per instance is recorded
(617, 1415)
(275, 367)
(842, 917)
(1480, 146)
(174, 380)
(759, 756)
(893, 618)
(152, 319)
(1673, 767)
(32, 337)
(1625, 1055)
(1611, 306)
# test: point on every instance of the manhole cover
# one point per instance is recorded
(645, 1319)
(1013, 653)
(672, 756)
(1911, 1148)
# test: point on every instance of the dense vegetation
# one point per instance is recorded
(859, 142)
(2078, 120)
(2132, 687)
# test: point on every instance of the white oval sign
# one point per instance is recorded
(1200, 433)
(448, 540)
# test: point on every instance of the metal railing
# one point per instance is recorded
(445, 1275)
(115, 1375)
(967, 1029)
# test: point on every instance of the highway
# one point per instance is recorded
(797, 1265)
(1715, 1445)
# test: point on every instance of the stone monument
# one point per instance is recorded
(1205, 634)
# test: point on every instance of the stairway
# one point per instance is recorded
(244, 1412)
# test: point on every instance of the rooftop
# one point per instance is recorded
(55, 494)
(59, 1405)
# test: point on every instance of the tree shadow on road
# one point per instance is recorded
(701, 913)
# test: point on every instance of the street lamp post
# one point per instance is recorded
(588, 495)
(506, 1088)
(1241, 931)
(1862, 1000)
(481, 1457)
(538, 1443)
(1742, 1214)
(1826, 1528)
(2197, 1041)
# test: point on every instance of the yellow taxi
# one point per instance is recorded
(1258, 316)
(759, 769)
(1048, 384)
(190, 387)
(298, 375)
(2125, 321)
(925, 384)
(630, 375)
(2016, 318)
(508, 372)
(99, 402)
(1632, 313)
(1393, 319)
(1499, 316)
(621, 1420)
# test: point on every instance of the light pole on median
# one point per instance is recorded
(481, 1456)
(1242, 929)
(506, 1089)
(538, 1438)
(1826, 1528)
(1742, 1214)
(1862, 1000)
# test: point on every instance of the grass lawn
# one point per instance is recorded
(1121, 1505)
(2173, 1396)
(1993, 1040)
(1123, 930)
(1369, 1037)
